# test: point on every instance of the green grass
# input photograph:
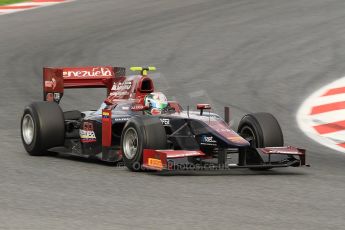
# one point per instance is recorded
(5, 2)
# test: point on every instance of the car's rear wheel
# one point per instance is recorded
(28, 129)
(261, 130)
(42, 127)
(138, 134)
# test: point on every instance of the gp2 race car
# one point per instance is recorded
(122, 129)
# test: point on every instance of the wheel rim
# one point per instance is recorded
(130, 145)
(248, 134)
(28, 129)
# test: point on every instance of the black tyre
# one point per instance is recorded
(138, 134)
(261, 130)
(42, 127)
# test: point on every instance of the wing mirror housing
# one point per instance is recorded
(202, 107)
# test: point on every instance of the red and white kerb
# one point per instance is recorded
(28, 5)
(322, 115)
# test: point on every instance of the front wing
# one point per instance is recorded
(190, 159)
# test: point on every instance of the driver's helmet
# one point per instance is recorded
(156, 102)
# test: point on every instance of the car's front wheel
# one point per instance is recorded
(261, 130)
(138, 134)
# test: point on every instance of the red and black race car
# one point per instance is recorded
(138, 126)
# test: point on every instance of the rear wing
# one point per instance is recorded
(56, 79)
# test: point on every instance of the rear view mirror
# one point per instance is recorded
(201, 107)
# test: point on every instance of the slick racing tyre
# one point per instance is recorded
(261, 130)
(138, 134)
(42, 127)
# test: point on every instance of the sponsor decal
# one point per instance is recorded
(138, 107)
(88, 72)
(120, 86)
(121, 89)
(50, 84)
(165, 121)
(87, 134)
(105, 114)
(208, 140)
(119, 94)
(157, 163)
(122, 119)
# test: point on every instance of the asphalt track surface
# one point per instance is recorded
(266, 55)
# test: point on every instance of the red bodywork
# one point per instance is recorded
(55, 80)
(119, 87)
(106, 128)
(289, 150)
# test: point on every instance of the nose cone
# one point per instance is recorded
(228, 135)
(236, 140)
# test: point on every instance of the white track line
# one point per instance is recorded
(329, 99)
(329, 117)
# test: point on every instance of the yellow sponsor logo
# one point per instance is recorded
(105, 113)
(157, 163)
